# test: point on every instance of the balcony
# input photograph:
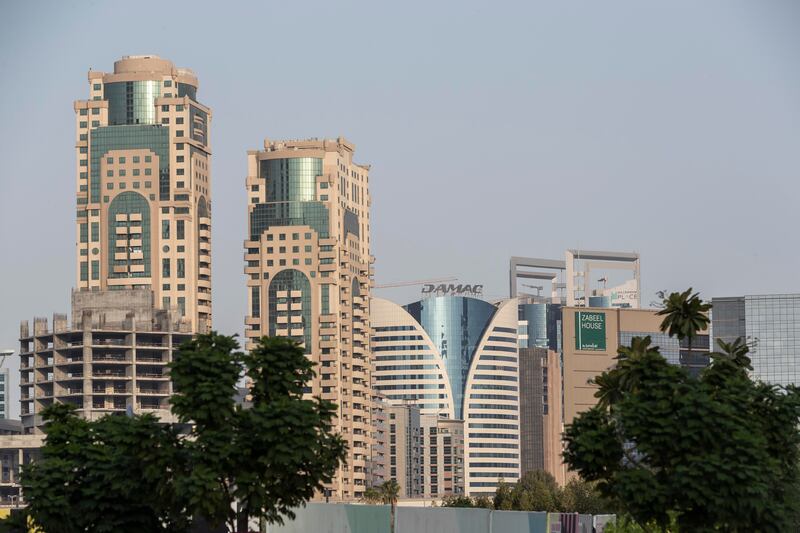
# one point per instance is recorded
(150, 375)
(110, 373)
(150, 359)
(110, 358)
(110, 391)
(111, 342)
(151, 392)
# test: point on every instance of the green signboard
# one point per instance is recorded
(590, 331)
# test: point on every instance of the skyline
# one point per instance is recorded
(568, 121)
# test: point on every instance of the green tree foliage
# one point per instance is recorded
(115, 474)
(685, 316)
(716, 452)
(579, 496)
(458, 500)
(537, 490)
(133, 474)
(270, 457)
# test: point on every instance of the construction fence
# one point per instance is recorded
(351, 518)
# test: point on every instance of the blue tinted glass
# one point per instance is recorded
(291, 196)
(455, 325)
(132, 102)
(542, 328)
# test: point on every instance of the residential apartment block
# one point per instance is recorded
(143, 184)
(309, 277)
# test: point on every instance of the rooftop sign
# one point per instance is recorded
(450, 289)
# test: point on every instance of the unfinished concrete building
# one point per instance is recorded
(112, 357)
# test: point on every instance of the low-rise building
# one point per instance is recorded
(112, 358)
(592, 337)
(16, 451)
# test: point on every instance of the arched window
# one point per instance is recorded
(291, 280)
(138, 229)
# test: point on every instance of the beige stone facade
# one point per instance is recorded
(143, 184)
(581, 365)
(441, 456)
(309, 277)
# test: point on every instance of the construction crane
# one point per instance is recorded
(415, 282)
(539, 288)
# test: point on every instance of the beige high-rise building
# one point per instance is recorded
(143, 182)
(309, 276)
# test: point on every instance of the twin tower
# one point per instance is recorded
(143, 234)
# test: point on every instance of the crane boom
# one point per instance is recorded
(415, 282)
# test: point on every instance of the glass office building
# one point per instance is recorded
(771, 326)
(457, 358)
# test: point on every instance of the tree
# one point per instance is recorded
(457, 500)
(266, 459)
(685, 316)
(503, 497)
(116, 474)
(131, 474)
(579, 496)
(713, 452)
(536, 490)
(386, 493)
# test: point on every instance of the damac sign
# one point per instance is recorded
(444, 289)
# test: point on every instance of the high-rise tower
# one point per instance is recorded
(144, 186)
(308, 268)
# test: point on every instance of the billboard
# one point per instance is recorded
(590, 331)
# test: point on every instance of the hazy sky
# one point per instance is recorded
(493, 129)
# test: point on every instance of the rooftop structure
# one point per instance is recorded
(571, 282)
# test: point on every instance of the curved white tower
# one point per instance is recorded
(455, 358)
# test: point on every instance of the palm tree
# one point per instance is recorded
(736, 352)
(386, 493)
(624, 377)
(685, 316)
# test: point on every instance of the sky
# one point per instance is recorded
(493, 129)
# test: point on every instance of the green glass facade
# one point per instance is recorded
(154, 138)
(184, 89)
(291, 186)
(132, 102)
(129, 203)
(290, 280)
